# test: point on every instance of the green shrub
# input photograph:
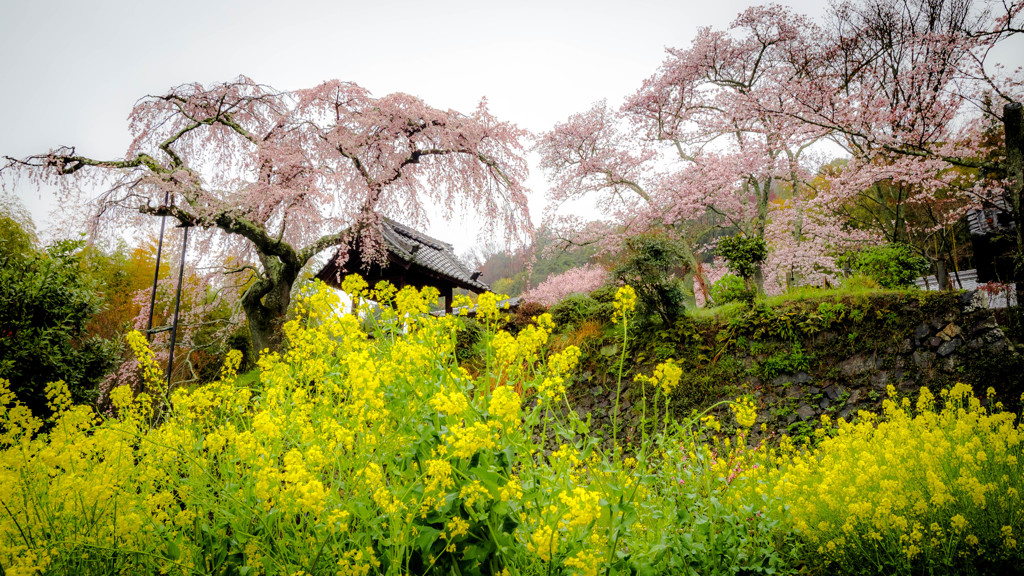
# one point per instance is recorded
(605, 298)
(893, 265)
(859, 283)
(605, 294)
(523, 315)
(744, 255)
(729, 288)
(791, 362)
(649, 268)
(467, 337)
(45, 303)
(574, 310)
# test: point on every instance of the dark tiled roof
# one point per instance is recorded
(416, 247)
(410, 250)
(985, 221)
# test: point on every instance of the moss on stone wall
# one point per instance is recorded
(802, 359)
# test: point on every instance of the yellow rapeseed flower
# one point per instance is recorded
(544, 543)
(625, 303)
(464, 441)
(745, 412)
(451, 402)
(665, 377)
(355, 286)
(456, 527)
(488, 309)
(505, 406)
(584, 506)
(712, 423)
(562, 363)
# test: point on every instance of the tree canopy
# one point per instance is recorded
(46, 304)
(282, 175)
(722, 136)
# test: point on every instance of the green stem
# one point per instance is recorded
(693, 419)
(618, 387)
(28, 543)
(668, 415)
(643, 414)
(121, 549)
(656, 394)
(316, 560)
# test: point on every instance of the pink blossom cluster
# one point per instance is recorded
(268, 179)
(581, 280)
(723, 134)
(804, 242)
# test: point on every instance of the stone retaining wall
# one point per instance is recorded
(936, 341)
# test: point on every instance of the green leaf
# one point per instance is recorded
(426, 538)
(173, 552)
(491, 480)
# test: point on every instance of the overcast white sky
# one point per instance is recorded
(72, 70)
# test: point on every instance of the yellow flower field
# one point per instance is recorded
(371, 451)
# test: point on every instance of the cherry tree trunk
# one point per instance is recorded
(266, 303)
(1015, 173)
(941, 274)
(759, 226)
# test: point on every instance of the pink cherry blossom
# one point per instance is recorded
(269, 178)
(581, 280)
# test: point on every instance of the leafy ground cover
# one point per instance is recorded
(368, 449)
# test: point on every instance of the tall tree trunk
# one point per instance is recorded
(798, 230)
(762, 221)
(899, 229)
(1015, 172)
(941, 275)
(266, 302)
(698, 280)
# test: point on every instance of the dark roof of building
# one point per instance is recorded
(416, 248)
(991, 219)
